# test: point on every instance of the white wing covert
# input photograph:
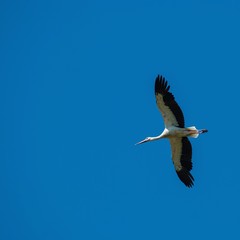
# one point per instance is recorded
(182, 159)
(170, 110)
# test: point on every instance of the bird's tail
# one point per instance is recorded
(194, 132)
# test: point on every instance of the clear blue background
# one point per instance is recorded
(76, 94)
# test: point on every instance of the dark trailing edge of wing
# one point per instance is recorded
(162, 87)
(186, 162)
(186, 177)
(186, 157)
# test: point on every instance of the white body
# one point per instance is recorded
(173, 131)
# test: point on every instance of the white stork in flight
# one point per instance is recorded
(175, 131)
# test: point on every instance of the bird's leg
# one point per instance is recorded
(202, 131)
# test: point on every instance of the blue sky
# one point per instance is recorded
(76, 94)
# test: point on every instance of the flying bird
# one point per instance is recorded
(175, 131)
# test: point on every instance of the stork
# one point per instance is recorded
(175, 131)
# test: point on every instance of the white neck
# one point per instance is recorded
(162, 135)
(156, 138)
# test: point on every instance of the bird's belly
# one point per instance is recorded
(178, 132)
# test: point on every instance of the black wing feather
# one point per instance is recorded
(186, 177)
(162, 87)
(186, 162)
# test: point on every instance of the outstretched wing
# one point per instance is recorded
(182, 159)
(171, 112)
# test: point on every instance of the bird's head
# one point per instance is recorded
(147, 139)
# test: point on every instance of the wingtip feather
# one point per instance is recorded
(186, 177)
(161, 85)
